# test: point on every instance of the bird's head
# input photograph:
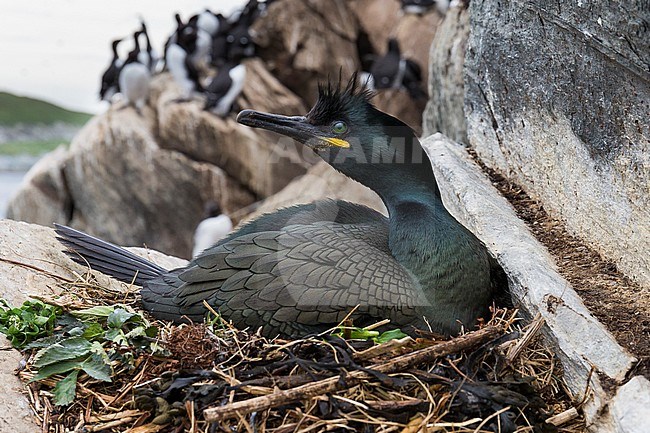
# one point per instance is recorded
(115, 43)
(347, 131)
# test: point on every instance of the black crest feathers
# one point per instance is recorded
(334, 100)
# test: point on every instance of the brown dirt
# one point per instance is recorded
(612, 297)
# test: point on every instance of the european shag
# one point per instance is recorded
(302, 269)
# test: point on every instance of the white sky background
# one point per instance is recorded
(57, 50)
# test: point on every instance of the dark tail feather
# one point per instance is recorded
(107, 258)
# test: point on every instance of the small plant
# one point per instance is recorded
(93, 341)
(31, 321)
(354, 333)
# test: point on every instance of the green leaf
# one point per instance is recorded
(98, 311)
(34, 319)
(151, 331)
(119, 317)
(77, 331)
(93, 331)
(116, 336)
(41, 320)
(43, 342)
(65, 389)
(138, 331)
(65, 349)
(363, 334)
(96, 368)
(393, 334)
(99, 350)
(57, 368)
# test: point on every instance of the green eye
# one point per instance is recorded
(339, 127)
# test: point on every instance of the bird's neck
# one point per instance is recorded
(423, 236)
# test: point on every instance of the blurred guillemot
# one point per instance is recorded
(234, 39)
(134, 78)
(200, 56)
(110, 84)
(225, 88)
(148, 57)
(177, 58)
(392, 71)
(210, 22)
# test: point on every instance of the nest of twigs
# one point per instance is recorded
(499, 378)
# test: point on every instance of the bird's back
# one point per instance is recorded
(298, 270)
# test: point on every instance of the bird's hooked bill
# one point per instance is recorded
(296, 127)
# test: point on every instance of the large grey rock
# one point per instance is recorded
(253, 157)
(115, 182)
(444, 112)
(624, 408)
(557, 98)
(159, 194)
(579, 340)
(307, 41)
(15, 414)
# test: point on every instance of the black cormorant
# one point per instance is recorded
(110, 84)
(302, 269)
(392, 71)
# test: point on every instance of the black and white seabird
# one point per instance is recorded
(219, 53)
(110, 83)
(134, 78)
(210, 22)
(200, 56)
(214, 227)
(392, 71)
(234, 40)
(148, 57)
(240, 42)
(217, 26)
(225, 88)
(177, 58)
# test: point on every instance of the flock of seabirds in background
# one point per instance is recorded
(209, 41)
